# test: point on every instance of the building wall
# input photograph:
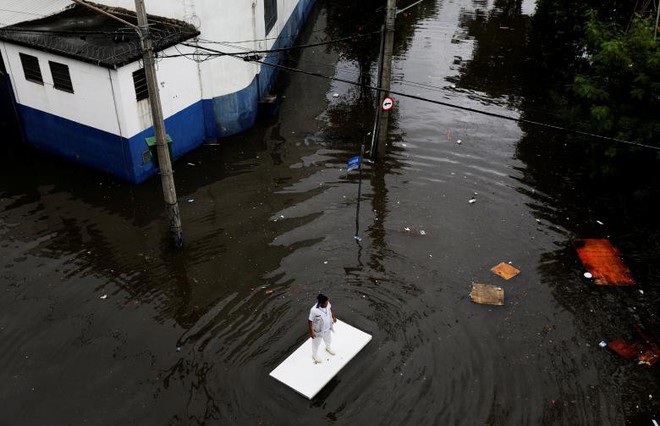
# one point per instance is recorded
(92, 91)
(232, 88)
(101, 124)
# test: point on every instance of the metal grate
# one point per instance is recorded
(61, 76)
(31, 68)
(140, 82)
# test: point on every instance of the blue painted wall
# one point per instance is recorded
(105, 151)
(236, 112)
(187, 130)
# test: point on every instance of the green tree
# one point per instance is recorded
(617, 86)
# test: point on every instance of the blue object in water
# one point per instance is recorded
(353, 162)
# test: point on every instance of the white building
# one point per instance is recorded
(79, 88)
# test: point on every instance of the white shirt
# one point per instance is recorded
(321, 318)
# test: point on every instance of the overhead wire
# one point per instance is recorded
(301, 46)
(251, 55)
(465, 108)
(214, 52)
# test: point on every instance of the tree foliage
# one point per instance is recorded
(618, 82)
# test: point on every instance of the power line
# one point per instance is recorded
(229, 42)
(67, 32)
(432, 101)
(464, 108)
(253, 56)
(295, 47)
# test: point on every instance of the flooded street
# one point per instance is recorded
(103, 323)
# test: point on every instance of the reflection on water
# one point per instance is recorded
(103, 323)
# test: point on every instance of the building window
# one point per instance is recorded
(270, 14)
(140, 82)
(31, 68)
(61, 76)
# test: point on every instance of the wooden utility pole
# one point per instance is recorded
(164, 162)
(386, 77)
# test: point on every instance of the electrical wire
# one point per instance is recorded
(127, 31)
(228, 42)
(253, 56)
(300, 46)
(213, 52)
(464, 108)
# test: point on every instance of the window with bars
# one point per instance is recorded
(270, 14)
(140, 82)
(31, 68)
(61, 76)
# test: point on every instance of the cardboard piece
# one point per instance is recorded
(304, 376)
(485, 294)
(505, 271)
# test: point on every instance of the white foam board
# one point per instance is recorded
(300, 372)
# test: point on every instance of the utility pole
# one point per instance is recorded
(164, 162)
(386, 77)
(166, 174)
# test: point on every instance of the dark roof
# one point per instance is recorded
(88, 35)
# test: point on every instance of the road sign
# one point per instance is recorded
(388, 104)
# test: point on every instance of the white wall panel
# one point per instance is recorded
(223, 21)
(90, 104)
(178, 82)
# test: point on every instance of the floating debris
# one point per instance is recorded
(623, 349)
(649, 357)
(602, 260)
(645, 346)
(485, 294)
(105, 296)
(505, 270)
(472, 200)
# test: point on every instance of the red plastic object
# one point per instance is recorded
(602, 260)
(649, 357)
(623, 349)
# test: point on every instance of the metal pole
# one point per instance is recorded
(386, 76)
(375, 131)
(359, 195)
(166, 174)
(657, 19)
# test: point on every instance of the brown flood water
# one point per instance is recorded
(102, 323)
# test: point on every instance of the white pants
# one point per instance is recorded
(316, 341)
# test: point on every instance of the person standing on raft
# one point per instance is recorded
(320, 324)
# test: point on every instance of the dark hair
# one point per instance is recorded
(321, 298)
